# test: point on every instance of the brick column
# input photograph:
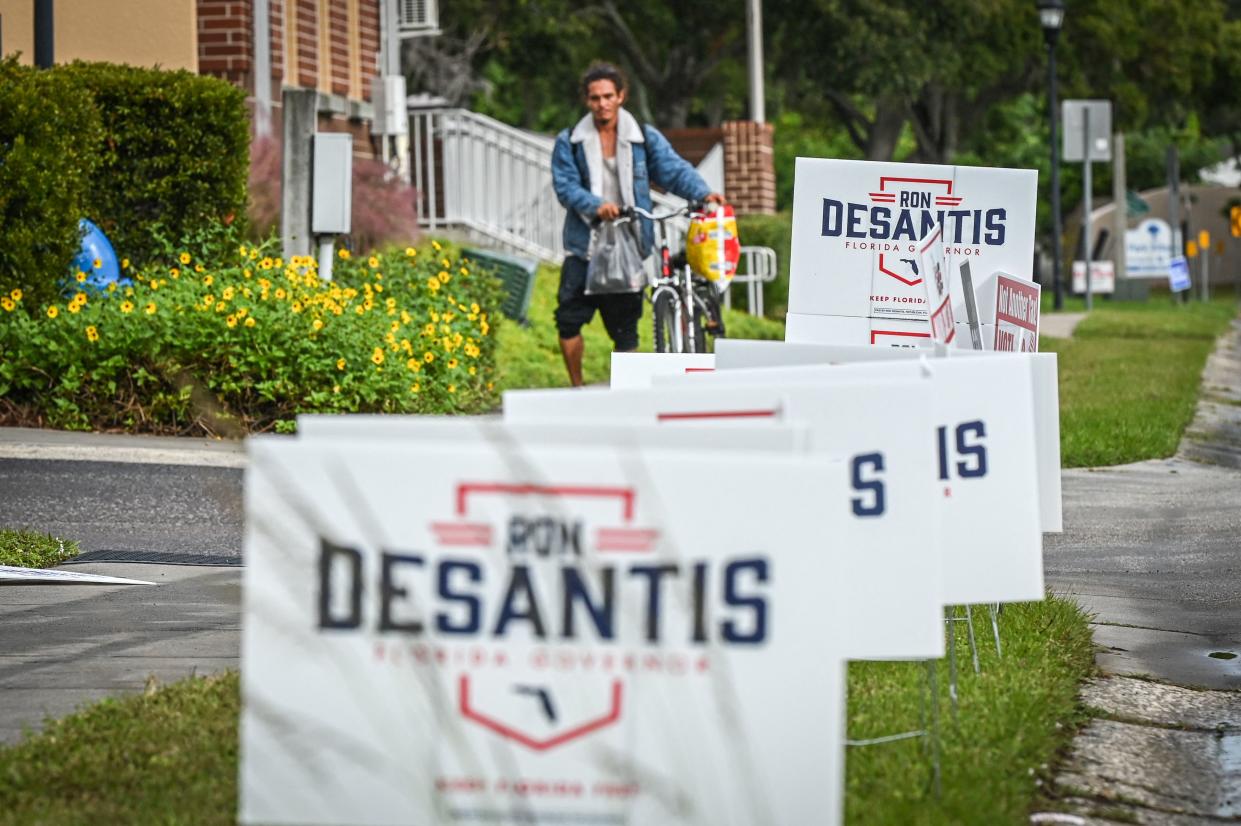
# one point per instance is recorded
(749, 167)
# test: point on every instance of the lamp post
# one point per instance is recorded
(1051, 16)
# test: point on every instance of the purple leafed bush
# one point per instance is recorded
(383, 209)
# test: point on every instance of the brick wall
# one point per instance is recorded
(749, 167)
(224, 38)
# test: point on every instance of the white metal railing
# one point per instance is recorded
(474, 172)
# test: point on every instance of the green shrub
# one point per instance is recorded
(48, 133)
(173, 157)
(775, 231)
(248, 342)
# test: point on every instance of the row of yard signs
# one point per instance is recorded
(635, 604)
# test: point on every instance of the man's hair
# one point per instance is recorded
(603, 71)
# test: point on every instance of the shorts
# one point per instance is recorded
(621, 312)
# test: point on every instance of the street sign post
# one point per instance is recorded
(1204, 246)
(1087, 138)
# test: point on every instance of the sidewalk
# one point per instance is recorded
(65, 645)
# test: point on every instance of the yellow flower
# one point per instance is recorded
(127, 307)
(434, 284)
(413, 365)
(250, 322)
(129, 292)
(473, 370)
(446, 263)
(185, 257)
(437, 246)
(246, 273)
(198, 268)
(220, 306)
(74, 306)
(359, 309)
(231, 321)
(474, 308)
(443, 277)
(316, 325)
(373, 262)
(16, 295)
(208, 301)
(124, 263)
(151, 308)
(410, 251)
(296, 306)
(415, 387)
(111, 286)
(242, 250)
(154, 284)
(378, 355)
(8, 304)
(379, 287)
(340, 364)
(336, 388)
(406, 317)
(242, 312)
(428, 357)
(53, 311)
(174, 272)
(254, 254)
(464, 271)
(344, 254)
(280, 293)
(452, 388)
(92, 335)
(81, 276)
(208, 280)
(96, 263)
(228, 294)
(266, 263)
(452, 364)
(79, 298)
(279, 262)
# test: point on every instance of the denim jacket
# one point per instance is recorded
(643, 155)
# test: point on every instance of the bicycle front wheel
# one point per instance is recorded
(667, 325)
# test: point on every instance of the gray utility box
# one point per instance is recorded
(332, 184)
(517, 275)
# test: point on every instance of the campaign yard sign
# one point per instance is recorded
(630, 370)
(456, 634)
(895, 606)
(856, 227)
(986, 469)
(934, 276)
(1016, 315)
(1102, 276)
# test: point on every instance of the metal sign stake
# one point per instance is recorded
(1086, 187)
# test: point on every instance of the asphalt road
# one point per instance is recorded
(125, 506)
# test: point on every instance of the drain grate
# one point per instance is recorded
(157, 558)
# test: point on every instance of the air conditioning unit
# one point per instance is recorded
(418, 18)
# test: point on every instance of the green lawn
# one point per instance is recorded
(1129, 378)
(169, 756)
(29, 549)
(530, 356)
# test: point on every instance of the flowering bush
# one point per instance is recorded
(244, 344)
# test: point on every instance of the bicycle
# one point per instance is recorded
(684, 305)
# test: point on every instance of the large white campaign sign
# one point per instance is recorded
(856, 227)
(986, 472)
(734, 354)
(630, 370)
(468, 635)
(895, 602)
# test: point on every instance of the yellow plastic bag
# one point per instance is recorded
(711, 246)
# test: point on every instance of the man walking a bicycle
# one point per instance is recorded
(604, 164)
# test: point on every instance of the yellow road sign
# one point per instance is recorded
(1191, 249)
(1204, 239)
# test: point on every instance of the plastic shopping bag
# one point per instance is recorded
(615, 262)
(712, 246)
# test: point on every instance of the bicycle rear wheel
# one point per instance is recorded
(667, 326)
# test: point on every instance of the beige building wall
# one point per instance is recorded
(137, 32)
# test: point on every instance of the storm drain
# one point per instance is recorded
(157, 558)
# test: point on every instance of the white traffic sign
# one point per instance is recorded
(863, 428)
(471, 635)
(1178, 274)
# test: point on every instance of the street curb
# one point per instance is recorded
(60, 445)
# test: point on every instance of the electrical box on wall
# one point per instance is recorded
(332, 185)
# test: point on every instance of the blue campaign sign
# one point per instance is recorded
(1178, 274)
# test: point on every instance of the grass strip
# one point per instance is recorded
(169, 756)
(30, 549)
(1129, 379)
(530, 356)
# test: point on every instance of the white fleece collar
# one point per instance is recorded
(628, 132)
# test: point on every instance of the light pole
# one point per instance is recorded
(1051, 16)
